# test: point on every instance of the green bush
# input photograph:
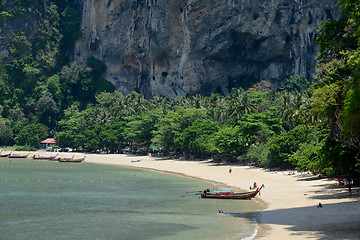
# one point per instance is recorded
(259, 154)
(24, 148)
(307, 157)
(283, 146)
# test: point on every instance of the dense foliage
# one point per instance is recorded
(37, 81)
(43, 94)
(337, 94)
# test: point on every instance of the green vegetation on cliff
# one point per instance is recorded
(37, 81)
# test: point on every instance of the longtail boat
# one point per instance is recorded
(16, 155)
(6, 154)
(229, 193)
(43, 157)
(54, 158)
(72, 159)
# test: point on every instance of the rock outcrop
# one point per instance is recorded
(184, 47)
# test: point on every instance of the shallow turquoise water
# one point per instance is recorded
(51, 200)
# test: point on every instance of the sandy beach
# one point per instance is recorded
(291, 199)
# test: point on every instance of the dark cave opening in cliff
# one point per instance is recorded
(244, 82)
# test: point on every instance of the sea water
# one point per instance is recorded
(42, 199)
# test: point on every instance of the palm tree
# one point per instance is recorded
(247, 106)
(161, 102)
(310, 116)
(214, 103)
(286, 112)
(298, 114)
(135, 103)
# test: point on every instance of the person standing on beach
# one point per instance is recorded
(230, 170)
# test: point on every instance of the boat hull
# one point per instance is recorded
(5, 153)
(70, 160)
(247, 195)
(41, 158)
(17, 156)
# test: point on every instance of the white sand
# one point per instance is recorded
(292, 200)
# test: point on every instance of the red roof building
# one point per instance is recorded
(49, 141)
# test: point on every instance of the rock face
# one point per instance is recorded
(184, 47)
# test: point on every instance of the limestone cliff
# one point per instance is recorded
(184, 47)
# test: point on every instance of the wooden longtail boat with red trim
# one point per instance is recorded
(15, 155)
(72, 159)
(6, 154)
(230, 194)
(44, 157)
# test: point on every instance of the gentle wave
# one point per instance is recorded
(255, 231)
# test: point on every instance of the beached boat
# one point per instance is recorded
(72, 159)
(4, 154)
(16, 155)
(229, 193)
(43, 157)
(54, 158)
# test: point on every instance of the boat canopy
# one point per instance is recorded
(223, 191)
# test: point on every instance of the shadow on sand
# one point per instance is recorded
(326, 221)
